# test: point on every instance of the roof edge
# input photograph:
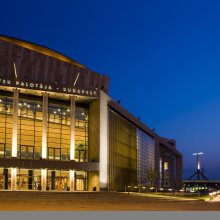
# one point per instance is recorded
(41, 49)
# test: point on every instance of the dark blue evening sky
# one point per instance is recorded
(162, 58)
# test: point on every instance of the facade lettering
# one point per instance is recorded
(41, 86)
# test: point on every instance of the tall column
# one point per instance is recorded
(14, 138)
(72, 127)
(44, 120)
(13, 178)
(72, 179)
(15, 123)
(72, 139)
(103, 164)
(43, 179)
(44, 139)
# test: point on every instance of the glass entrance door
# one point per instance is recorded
(80, 185)
(81, 181)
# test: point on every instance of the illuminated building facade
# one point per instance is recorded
(59, 129)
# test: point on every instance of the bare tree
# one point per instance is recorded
(151, 176)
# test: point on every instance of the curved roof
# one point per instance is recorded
(40, 49)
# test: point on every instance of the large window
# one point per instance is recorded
(58, 132)
(81, 135)
(145, 155)
(29, 129)
(6, 108)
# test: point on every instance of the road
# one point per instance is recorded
(98, 201)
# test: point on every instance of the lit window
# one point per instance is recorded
(165, 165)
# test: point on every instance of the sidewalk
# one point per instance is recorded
(163, 196)
(215, 199)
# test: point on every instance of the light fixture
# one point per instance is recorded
(15, 71)
(25, 103)
(54, 112)
(38, 106)
(76, 79)
(68, 110)
(198, 159)
(198, 153)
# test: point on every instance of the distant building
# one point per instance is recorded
(59, 129)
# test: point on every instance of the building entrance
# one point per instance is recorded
(5, 179)
(2, 181)
(58, 180)
(81, 181)
(28, 179)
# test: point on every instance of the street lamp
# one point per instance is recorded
(198, 159)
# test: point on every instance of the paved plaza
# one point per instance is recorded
(99, 201)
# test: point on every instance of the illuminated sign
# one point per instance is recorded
(48, 87)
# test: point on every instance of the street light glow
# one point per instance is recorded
(198, 161)
(198, 153)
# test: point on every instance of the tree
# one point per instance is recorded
(151, 176)
(80, 146)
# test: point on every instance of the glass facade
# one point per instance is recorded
(29, 141)
(131, 151)
(168, 170)
(30, 179)
(81, 134)
(6, 109)
(58, 180)
(122, 152)
(145, 158)
(58, 133)
(5, 178)
(29, 129)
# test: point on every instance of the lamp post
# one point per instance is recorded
(198, 163)
(198, 173)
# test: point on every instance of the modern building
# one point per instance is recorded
(60, 130)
